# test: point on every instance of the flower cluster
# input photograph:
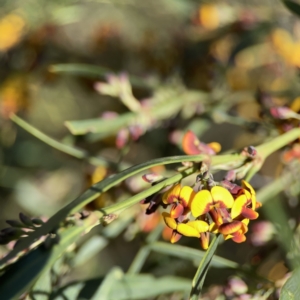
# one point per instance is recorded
(212, 210)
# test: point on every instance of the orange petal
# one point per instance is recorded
(175, 237)
(230, 228)
(186, 195)
(258, 205)
(216, 216)
(172, 195)
(222, 196)
(224, 214)
(167, 233)
(238, 205)
(201, 203)
(244, 227)
(249, 213)
(170, 222)
(176, 210)
(239, 237)
(204, 240)
(200, 226)
(190, 143)
(187, 230)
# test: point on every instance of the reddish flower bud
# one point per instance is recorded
(283, 113)
(122, 138)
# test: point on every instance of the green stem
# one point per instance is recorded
(78, 153)
(266, 149)
(270, 147)
(199, 277)
(144, 252)
(94, 72)
(106, 184)
(142, 195)
(272, 189)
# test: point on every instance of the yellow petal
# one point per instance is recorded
(238, 206)
(248, 194)
(222, 195)
(204, 240)
(201, 203)
(213, 227)
(170, 222)
(215, 146)
(227, 237)
(246, 221)
(186, 195)
(200, 226)
(172, 194)
(248, 187)
(187, 230)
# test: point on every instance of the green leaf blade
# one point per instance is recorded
(291, 289)
(292, 6)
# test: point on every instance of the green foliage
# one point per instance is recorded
(291, 289)
(293, 6)
(112, 88)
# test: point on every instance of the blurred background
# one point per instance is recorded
(228, 56)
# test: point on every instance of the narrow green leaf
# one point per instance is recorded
(108, 284)
(73, 151)
(276, 213)
(134, 287)
(89, 249)
(291, 289)
(272, 189)
(275, 144)
(42, 288)
(167, 102)
(71, 292)
(292, 6)
(92, 193)
(120, 224)
(202, 269)
(129, 287)
(194, 255)
(24, 273)
(94, 72)
(102, 126)
(96, 190)
(144, 251)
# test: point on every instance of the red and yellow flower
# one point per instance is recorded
(187, 228)
(180, 198)
(210, 211)
(191, 145)
(215, 202)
